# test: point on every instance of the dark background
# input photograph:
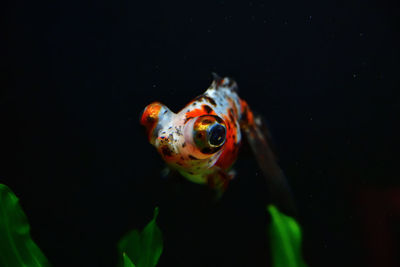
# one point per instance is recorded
(75, 77)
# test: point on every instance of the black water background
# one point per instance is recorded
(75, 77)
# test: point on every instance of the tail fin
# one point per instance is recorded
(278, 187)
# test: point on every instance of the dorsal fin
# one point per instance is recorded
(216, 77)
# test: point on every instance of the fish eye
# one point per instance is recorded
(209, 133)
(216, 135)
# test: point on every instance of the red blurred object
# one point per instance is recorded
(380, 221)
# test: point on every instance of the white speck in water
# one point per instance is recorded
(354, 75)
(311, 119)
(154, 85)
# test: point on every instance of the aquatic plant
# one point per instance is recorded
(136, 248)
(16, 245)
(285, 240)
(142, 249)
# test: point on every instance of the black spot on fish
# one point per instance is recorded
(207, 109)
(245, 115)
(187, 118)
(150, 119)
(184, 144)
(199, 98)
(218, 119)
(206, 150)
(231, 117)
(204, 122)
(165, 111)
(209, 99)
(192, 157)
(166, 151)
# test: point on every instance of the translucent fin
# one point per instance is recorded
(279, 190)
(216, 77)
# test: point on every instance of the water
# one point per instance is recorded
(78, 75)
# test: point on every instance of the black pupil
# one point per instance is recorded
(217, 135)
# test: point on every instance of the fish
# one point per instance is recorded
(202, 140)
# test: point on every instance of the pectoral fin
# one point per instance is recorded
(219, 180)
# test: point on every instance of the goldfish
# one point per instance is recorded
(203, 139)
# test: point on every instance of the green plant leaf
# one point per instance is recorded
(16, 245)
(285, 240)
(127, 261)
(142, 248)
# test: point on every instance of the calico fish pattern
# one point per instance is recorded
(201, 141)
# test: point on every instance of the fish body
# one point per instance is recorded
(202, 140)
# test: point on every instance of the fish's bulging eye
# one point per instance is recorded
(209, 134)
(217, 135)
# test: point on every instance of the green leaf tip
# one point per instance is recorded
(285, 240)
(156, 210)
(16, 245)
(127, 261)
(143, 248)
